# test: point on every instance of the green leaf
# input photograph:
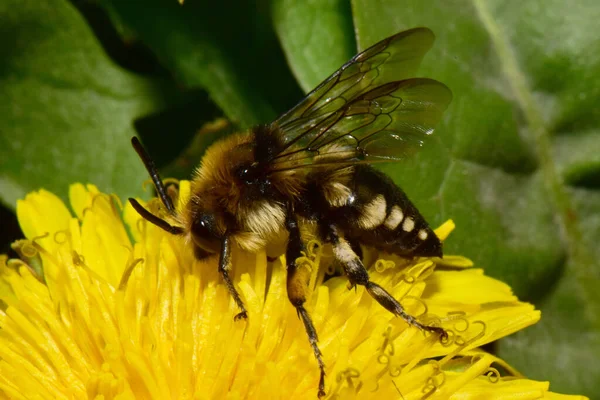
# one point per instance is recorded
(67, 111)
(518, 143)
(232, 53)
(316, 37)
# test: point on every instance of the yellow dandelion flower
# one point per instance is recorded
(120, 317)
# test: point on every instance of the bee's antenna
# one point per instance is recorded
(153, 172)
(148, 216)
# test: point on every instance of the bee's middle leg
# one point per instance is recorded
(358, 275)
(297, 288)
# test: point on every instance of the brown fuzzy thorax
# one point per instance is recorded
(214, 183)
(217, 189)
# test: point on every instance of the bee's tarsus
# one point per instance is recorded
(241, 315)
(313, 339)
(322, 393)
(440, 331)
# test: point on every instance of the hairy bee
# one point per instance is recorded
(312, 165)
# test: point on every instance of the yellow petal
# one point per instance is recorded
(133, 220)
(148, 320)
(444, 230)
(81, 197)
(102, 232)
(41, 214)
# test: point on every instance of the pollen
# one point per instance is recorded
(121, 309)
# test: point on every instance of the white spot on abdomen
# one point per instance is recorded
(373, 213)
(422, 234)
(337, 194)
(408, 224)
(394, 218)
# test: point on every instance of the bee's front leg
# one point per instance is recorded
(358, 275)
(297, 288)
(224, 268)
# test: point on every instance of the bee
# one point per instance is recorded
(312, 166)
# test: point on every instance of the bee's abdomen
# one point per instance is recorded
(377, 213)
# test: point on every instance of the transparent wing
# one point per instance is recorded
(368, 110)
(383, 124)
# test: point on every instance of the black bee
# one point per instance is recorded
(311, 167)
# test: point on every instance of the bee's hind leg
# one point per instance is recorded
(297, 288)
(358, 275)
(355, 246)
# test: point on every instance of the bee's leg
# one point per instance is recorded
(355, 246)
(224, 268)
(297, 286)
(358, 275)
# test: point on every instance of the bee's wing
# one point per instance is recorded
(367, 111)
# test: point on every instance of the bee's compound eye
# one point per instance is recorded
(205, 234)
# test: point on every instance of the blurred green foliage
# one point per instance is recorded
(516, 163)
